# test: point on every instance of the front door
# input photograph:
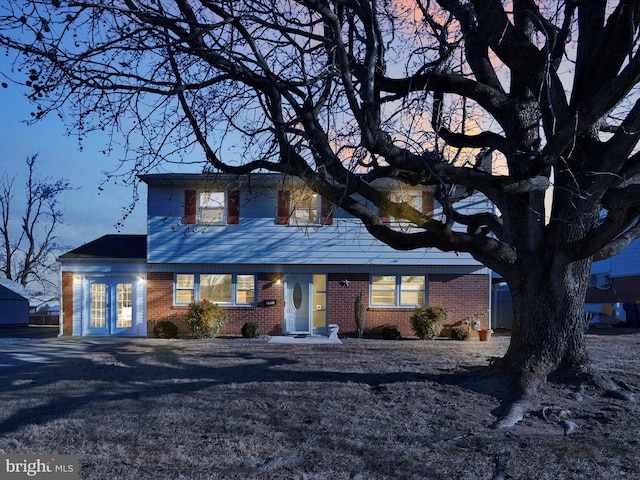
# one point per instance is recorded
(297, 308)
(111, 307)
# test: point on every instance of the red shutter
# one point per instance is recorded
(284, 207)
(382, 215)
(233, 207)
(427, 203)
(189, 207)
(327, 211)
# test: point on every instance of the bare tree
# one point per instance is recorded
(29, 242)
(340, 93)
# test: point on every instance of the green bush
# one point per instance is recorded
(250, 330)
(359, 311)
(460, 333)
(165, 329)
(390, 332)
(427, 321)
(205, 319)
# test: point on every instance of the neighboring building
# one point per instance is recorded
(266, 250)
(615, 282)
(14, 304)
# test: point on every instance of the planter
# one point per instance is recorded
(484, 335)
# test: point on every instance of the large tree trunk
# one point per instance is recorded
(548, 331)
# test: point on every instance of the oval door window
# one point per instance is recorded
(297, 296)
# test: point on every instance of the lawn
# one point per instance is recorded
(366, 409)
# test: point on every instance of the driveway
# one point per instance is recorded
(24, 346)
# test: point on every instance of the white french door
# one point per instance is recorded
(111, 307)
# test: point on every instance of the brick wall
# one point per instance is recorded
(462, 295)
(160, 306)
(67, 303)
(623, 289)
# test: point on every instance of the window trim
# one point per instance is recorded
(234, 289)
(176, 289)
(200, 208)
(230, 208)
(398, 292)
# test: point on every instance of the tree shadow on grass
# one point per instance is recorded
(123, 371)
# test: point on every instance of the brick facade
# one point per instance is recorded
(462, 295)
(160, 306)
(67, 303)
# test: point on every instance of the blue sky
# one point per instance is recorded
(88, 212)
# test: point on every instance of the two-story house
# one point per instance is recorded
(268, 251)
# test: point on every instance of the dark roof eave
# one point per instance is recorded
(121, 247)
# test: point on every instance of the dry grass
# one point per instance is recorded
(186, 409)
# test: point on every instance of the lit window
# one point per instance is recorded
(305, 208)
(392, 290)
(411, 290)
(185, 288)
(245, 289)
(383, 290)
(211, 207)
(125, 305)
(412, 198)
(216, 288)
(223, 289)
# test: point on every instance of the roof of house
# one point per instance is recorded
(112, 246)
(8, 292)
(206, 179)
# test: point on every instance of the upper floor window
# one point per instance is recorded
(223, 289)
(398, 290)
(211, 207)
(302, 207)
(421, 200)
(305, 208)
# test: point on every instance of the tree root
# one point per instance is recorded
(528, 398)
(517, 410)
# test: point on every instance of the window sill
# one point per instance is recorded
(392, 307)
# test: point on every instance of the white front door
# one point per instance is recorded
(111, 307)
(297, 307)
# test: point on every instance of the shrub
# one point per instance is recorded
(205, 319)
(165, 329)
(427, 321)
(359, 310)
(390, 332)
(460, 333)
(250, 330)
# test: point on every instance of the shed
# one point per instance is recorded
(14, 305)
